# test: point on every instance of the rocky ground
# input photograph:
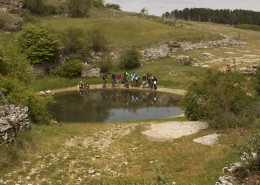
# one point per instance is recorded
(86, 158)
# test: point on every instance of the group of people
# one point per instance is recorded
(148, 81)
(134, 80)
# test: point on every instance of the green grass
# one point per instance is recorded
(51, 82)
(169, 72)
(127, 32)
(248, 27)
(179, 160)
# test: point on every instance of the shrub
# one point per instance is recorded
(39, 44)
(78, 8)
(35, 6)
(257, 82)
(2, 23)
(98, 40)
(18, 93)
(74, 43)
(130, 60)
(251, 152)
(105, 65)
(113, 6)
(71, 69)
(14, 65)
(98, 3)
(221, 99)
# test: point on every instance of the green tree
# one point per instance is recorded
(130, 59)
(38, 44)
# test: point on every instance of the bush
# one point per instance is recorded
(35, 6)
(71, 69)
(14, 65)
(98, 40)
(113, 6)
(130, 60)
(78, 8)
(221, 99)
(39, 44)
(257, 82)
(74, 43)
(105, 65)
(251, 152)
(2, 23)
(18, 93)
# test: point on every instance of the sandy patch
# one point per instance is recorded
(173, 130)
(207, 140)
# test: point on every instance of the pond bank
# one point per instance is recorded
(99, 86)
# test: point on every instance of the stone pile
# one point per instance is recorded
(13, 120)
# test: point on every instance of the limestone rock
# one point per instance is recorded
(13, 120)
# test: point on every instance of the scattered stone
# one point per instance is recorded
(45, 93)
(186, 60)
(207, 55)
(91, 171)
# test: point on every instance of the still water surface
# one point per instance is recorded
(114, 105)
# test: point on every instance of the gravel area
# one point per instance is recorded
(173, 130)
(207, 140)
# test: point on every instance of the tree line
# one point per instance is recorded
(222, 16)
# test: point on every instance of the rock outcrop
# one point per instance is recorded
(13, 120)
(168, 49)
(10, 5)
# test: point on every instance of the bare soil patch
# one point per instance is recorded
(173, 130)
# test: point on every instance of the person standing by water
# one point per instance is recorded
(81, 88)
(104, 79)
(113, 77)
(118, 78)
(154, 82)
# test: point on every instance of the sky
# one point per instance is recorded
(158, 7)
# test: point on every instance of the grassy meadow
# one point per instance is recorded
(127, 31)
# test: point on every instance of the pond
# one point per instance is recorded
(114, 105)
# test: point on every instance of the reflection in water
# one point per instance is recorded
(114, 105)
